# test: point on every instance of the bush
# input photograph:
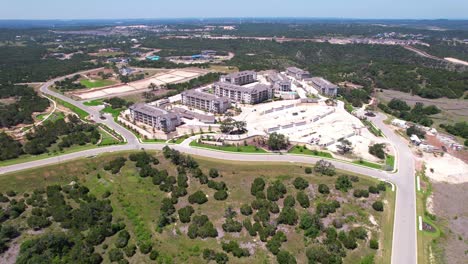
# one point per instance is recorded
(374, 244)
(232, 226)
(361, 193)
(300, 183)
(258, 185)
(145, 247)
(378, 150)
(115, 255)
(308, 170)
(382, 186)
(311, 224)
(343, 183)
(233, 247)
(11, 193)
(284, 257)
(185, 213)
(246, 209)
(154, 255)
(289, 201)
(213, 173)
(130, 250)
(378, 206)
(115, 165)
(198, 197)
(303, 199)
(323, 189)
(325, 168)
(276, 191)
(221, 195)
(122, 239)
(288, 216)
(373, 189)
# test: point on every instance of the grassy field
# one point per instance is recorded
(305, 151)
(390, 161)
(368, 164)
(80, 112)
(54, 117)
(114, 112)
(96, 83)
(136, 201)
(245, 149)
(94, 102)
(107, 139)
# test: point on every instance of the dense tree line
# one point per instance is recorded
(25, 102)
(418, 114)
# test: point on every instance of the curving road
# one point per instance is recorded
(404, 246)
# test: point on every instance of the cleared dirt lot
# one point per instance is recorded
(162, 78)
(449, 206)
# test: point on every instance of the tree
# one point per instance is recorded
(288, 216)
(378, 206)
(413, 130)
(300, 183)
(323, 189)
(344, 147)
(277, 141)
(213, 173)
(325, 168)
(198, 197)
(185, 213)
(289, 201)
(303, 199)
(284, 257)
(343, 183)
(397, 104)
(258, 185)
(378, 150)
(220, 195)
(374, 244)
(246, 209)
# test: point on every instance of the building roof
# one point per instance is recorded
(244, 89)
(322, 83)
(152, 110)
(239, 74)
(296, 70)
(204, 96)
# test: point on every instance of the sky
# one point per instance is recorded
(120, 9)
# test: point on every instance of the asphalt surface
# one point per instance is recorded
(404, 247)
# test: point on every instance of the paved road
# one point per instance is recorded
(404, 235)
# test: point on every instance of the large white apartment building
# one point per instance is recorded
(205, 101)
(240, 78)
(242, 94)
(155, 117)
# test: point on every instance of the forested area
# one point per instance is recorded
(21, 103)
(20, 64)
(418, 114)
(61, 133)
(388, 67)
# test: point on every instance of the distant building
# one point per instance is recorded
(205, 101)
(241, 94)
(126, 71)
(155, 117)
(400, 123)
(297, 73)
(153, 58)
(208, 53)
(280, 82)
(324, 86)
(240, 78)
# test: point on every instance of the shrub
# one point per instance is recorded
(378, 150)
(289, 201)
(198, 197)
(360, 193)
(311, 225)
(325, 168)
(213, 173)
(145, 247)
(258, 185)
(115, 165)
(154, 254)
(308, 170)
(373, 189)
(232, 226)
(122, 239)
(185, 213)
(246, 209)
(276, 191)
(374, 244)
(300, 183)
(115, 255)
(233, 247)
(378, 206)
(275, 242)
(382, 186)
(288, 216)
(284, 257)
(220, 195)
(303, 199)
(130, 250)
(343, 183)
(11, 193)
(323, 189)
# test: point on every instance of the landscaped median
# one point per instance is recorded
(229, 148)
(80, 112)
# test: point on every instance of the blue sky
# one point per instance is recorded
(90, 9)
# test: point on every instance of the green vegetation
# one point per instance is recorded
(96, 102)
(142, 235)
(277, 141)
(96, 83)
(418, 114)
(80, 112)
(305, 151)
(368, 164)
(458, 129)
(229, 148)
(23, 102)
